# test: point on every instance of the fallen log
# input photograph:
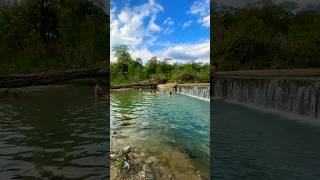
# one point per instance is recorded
(21, 80)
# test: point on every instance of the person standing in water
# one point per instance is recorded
(98, 90)
(175, 87)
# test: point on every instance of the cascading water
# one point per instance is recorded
(299, 96)
(195, 91)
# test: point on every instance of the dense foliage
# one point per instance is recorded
(129, 70)
(44, 35)
(269, 36)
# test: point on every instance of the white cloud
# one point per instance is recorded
(142, 53)
(128, 28)
(188, 52)
(137, 26)
(186, 24)
(205, 21)
(168, 31)
(152, 25)
(201, 8)
(168, 21)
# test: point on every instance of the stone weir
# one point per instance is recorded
(195, 90)
(294, 91)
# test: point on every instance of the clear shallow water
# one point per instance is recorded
(54, 132)
(164, 125)
(253, 144)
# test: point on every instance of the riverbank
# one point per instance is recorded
(23, 80)
(138, 164)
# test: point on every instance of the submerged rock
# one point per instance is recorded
(137, 160)
(126, 149)
(126, 166)
(113, 156)
(146, 167)
(139, 165)
(142, 154)
(152, 159)
(142, 174)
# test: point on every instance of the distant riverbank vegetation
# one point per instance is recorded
(47, 35)
(267, 36)
(129, 70)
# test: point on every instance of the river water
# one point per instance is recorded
(251, 143)
(54, 132)
(172, 127)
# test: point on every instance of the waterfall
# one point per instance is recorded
(202, 92)
(299, 96)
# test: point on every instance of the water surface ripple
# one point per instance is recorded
(54, 132)
(162, 124)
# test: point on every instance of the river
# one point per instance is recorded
(257, 143)
(54, 132)
(175, 128)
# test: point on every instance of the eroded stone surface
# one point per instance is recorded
(144, 166)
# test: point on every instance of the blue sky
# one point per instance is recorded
(178, 29)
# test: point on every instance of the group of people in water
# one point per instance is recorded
(99, 92)
(154, 92)
(157, 92)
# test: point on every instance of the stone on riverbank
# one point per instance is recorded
(140, 165)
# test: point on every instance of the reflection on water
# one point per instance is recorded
(174, 127)
(54, 132)
(253, 144)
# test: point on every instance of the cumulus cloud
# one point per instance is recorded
(201, 8)
(205, 21)
(152, 25)
(168, 30)
(186, 24)
(142, 53)
(177, 53)
(182, 53)
(127, 25)
(168, 21)
(137, 28)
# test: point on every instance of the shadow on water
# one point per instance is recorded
(54, 132)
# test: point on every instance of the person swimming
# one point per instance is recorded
(98, 90)
(153, 92)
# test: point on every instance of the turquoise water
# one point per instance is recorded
(162, 124)
(251, 143)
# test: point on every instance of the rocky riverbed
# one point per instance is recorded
(138, 164)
